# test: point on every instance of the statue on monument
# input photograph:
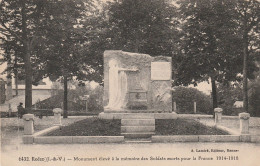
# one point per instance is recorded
(117, 86)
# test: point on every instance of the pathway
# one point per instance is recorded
(232, 122)
(134, 154)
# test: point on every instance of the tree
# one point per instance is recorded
(254, 93)
(248, 25)
(51, 37)
(24, 27)
(13, 55)
(254, 98)
(64, 56)
(228, 94)
(19, 27)
(143, 26)
(210, 46)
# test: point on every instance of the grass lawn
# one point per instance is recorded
(90, 127)
(184, 127)
(104, 127)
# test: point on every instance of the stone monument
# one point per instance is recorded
(136, 83)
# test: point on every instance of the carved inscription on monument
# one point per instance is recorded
(160, 70)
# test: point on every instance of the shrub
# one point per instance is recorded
(185, 97)
(254, 100)
(74, 102)
(227, 96)
(56, 102)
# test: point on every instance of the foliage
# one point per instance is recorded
(63, 56)
(20, 23)
(207, 37)
(227, 95)
(254, 94)
(203, 51)
(248, 14)
(254, 99)
(47, 38)
(95, 102)
(210, 45)
(56, 102)
(143, 26)
(185, 97)
(75, 102)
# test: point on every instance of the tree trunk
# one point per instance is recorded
(245, 52)
(214, 95)
(16, 76)
(27, 61)
(28, 81)
(65, 101)
(16, 86)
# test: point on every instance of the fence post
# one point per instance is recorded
(244, 126)
(195, 107)
(218, 115)
(57, 116)
(28, 124)
(28, 128)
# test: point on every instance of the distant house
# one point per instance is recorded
(43, 88)
(12, 93)
(9, 96)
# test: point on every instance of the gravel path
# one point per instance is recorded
(248, 154)
(234, 123)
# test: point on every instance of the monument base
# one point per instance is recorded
(137, 115)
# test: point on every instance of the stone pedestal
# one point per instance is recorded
(28, 124)
(57, 116)
(218, 115)
(244, 123)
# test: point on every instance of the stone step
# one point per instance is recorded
(137, 129)
(138, 116)
(138, 122)
(138, 135)
(136, 140)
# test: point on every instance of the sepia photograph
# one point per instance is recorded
(130, 82)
